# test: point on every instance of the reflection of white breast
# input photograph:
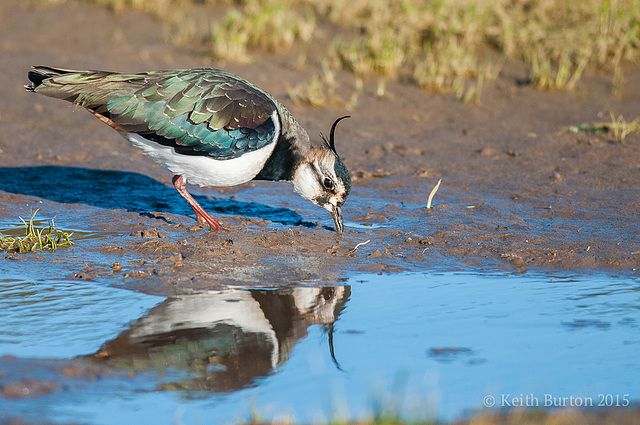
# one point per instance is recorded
(206, 310)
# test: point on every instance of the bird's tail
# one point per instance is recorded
(40, 73)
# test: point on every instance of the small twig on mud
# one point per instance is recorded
(432, 194)
(355, 248)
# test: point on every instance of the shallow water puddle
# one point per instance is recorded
(425, 345)
(61, 318)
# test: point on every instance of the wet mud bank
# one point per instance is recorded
(284, 246)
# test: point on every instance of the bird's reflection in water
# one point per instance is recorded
(228, 338)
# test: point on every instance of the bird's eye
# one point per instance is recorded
(328, 183)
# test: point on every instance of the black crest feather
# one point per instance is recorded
(331, 142)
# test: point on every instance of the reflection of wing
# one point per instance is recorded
(233, 336)
(198, 112)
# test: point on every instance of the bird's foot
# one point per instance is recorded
(205, 218)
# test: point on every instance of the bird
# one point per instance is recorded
(209, 127)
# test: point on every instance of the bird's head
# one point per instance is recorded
(323, 178)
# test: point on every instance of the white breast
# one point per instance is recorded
(205, 170)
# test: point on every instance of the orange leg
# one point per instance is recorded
(203, 216)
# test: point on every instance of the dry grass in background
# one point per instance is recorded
(442, 46)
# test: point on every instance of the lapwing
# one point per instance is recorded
(209, 128)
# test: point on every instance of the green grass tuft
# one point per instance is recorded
(617, 126)
(271, 25)
(35, 239)
(323, 90)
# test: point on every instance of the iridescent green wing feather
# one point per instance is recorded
(200, 112)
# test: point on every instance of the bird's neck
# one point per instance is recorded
(283, 162)
(292, 147)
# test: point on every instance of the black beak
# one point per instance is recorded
(336, 212)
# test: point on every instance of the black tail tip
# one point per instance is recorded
(36, 78)
(38, 74)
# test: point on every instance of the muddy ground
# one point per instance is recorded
(518, 192)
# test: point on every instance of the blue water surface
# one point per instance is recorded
(425, 345)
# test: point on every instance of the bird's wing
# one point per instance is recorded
(197, 112)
